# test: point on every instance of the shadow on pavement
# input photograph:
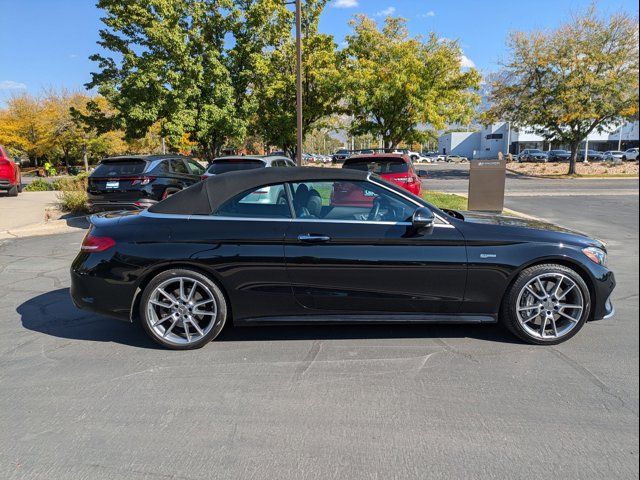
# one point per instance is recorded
(490, 332)
(75, 221)
(54, 314)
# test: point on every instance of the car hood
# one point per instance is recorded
(531, 224)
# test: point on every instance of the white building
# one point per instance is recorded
(495, 138)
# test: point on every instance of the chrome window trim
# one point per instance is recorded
(146, 213)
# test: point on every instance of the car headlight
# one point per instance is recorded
(596, 255)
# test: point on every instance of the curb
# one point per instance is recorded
(51, 227)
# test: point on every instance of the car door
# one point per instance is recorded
(243, 243)
(343, 255)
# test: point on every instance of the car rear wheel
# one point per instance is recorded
(182, 309)
(547, 305)
(13, 191)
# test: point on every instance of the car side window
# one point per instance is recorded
(178, 166)
(195, 167)
(269, 201)
(163, 167)
(341, 200)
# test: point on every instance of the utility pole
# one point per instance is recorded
(299, 81)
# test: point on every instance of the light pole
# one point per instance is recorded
(299, 82)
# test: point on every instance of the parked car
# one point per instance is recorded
(340, 156)
(234, 163)
(591, 155)
(456, 159)
(613, 156)
(533, 155)
(393, 168)
(631, 154)
(209, 255)
(10, 174)
(137, 182)
(559, 155)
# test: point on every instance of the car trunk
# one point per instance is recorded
(119, 180)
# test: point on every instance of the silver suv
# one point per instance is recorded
(269, 195)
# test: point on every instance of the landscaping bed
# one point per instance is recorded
(591, 169)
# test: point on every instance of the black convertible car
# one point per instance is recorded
(340, 246)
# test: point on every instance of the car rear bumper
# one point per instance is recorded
(88, 293)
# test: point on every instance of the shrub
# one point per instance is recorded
(74, 201)
(73, 193)
(39, 185)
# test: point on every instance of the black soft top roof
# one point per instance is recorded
(207, 196)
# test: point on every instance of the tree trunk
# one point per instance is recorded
(85, 159)
(574, 158)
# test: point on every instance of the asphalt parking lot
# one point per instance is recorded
(83, 396)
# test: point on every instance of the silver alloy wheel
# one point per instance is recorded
(181, 310)
(550, 306)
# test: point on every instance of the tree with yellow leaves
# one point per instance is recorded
(567, 83)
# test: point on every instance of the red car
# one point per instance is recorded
(10, 179)
(394, 168)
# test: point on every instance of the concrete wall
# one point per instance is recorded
(459, 143)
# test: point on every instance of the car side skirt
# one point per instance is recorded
(367, 319)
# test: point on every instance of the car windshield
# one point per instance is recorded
(379, 166)
(615, 152)
(119, 168)
(233, 165)
(342, 152)
(535, 151)
(559, 151)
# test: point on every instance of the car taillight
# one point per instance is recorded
(94, 244)
(142, 181)
(203, 177)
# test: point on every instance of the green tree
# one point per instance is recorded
(169, 67)
(275, 83)
(396, 85)
(569, 82)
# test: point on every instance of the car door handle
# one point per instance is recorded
(309, 238)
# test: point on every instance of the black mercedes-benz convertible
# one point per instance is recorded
(324, 246)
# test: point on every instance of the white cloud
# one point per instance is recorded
(467, 62)
(345, 3)
(386, 12)
(11, 85)
(430, 13)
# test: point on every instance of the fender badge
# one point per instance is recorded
(488, 255)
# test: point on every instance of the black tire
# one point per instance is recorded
(20, 187)
(221, 316)
(13, 191)
(508, 315)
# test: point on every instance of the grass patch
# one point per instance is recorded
(446, 200)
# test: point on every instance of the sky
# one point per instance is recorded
(46, 43)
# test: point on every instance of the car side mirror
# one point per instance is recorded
(423, 219)
(423, 173)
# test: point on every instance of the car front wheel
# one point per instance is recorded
(547, 305)
(182, 309)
